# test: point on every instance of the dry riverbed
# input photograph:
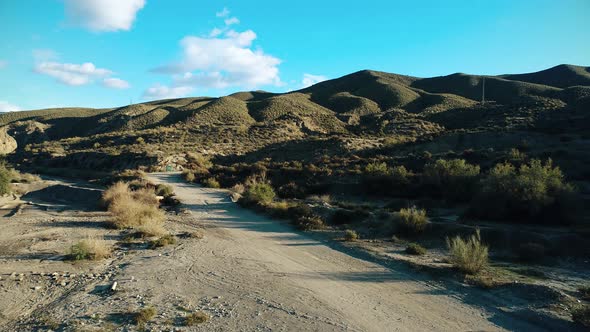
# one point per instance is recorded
(247, 273)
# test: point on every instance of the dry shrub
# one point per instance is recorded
(151, 228)
(145, 196)
(581, 315)
(134, 209)
(350, 235)
(145, 315)
(413, 220)
(114, 192)
(90, 249)
(469, 256)
(415, 249)
(196, 318)
(163, 241)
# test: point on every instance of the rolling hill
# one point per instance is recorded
(366, 106)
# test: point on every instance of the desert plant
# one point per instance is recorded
(145, 196)
(90, 249)
(195, 318)
(259, 193)
(5, 180)
(211, 183)
(162, 241)
(469, 256)
(377, 169)
(129, 213)
(307, 223)
(164, 190)
(454, 179)
(415, 249)
(534, 192)
(350, 235)
(150, 228)
(412, 220)
(145, 315)
(114, 192)
(189, 176)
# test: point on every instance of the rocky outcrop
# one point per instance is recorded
(7, 143)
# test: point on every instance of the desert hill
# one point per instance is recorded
(368, 107)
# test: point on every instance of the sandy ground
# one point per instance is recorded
(248, 273)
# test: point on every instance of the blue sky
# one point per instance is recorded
(104, 53)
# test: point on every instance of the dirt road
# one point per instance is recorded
(285, 280)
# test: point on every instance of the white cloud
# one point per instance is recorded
(223, 13)
(159, 91)
(231, 21)
(7, 107)
(223, 61)
(72, 74)
(309, 80)
(44, 54)
(3, 64)
(115, 83)
(103, 15)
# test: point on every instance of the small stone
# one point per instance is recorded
(37, 288)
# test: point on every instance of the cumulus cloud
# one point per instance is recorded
(7, 107)
(116, 83)
(159, 91)
(223, 61)
(72, 74)
(103, 15)
(309, 80)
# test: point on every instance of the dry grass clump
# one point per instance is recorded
(145, 315)
(350, 235)
(469, 256)
(163, 241)
(413, 220)
(90, 249)
(415, 249)
(134, 209)
(195, 318)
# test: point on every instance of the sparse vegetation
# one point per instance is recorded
(350, 235)
(534, 192)
(469, 256)
(454, 179)
(415, 249)
(412, 220)
(259, 193)
(196, 318)
(90, 249)
(144, 316)
(163, 241)
(5, 180)
(211, 183)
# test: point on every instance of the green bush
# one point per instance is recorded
(377, 169)
(189, 176)
(163, 241)
(350, 235)
(164, 190)
(211, 183)
(415, 249)
(469, 256)
(5, 180)
(259, 193)
(307, 223)
(145, 315)
(453, 179)
(412, 220)
(534, 192)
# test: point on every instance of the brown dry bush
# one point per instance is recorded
(90, 249)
